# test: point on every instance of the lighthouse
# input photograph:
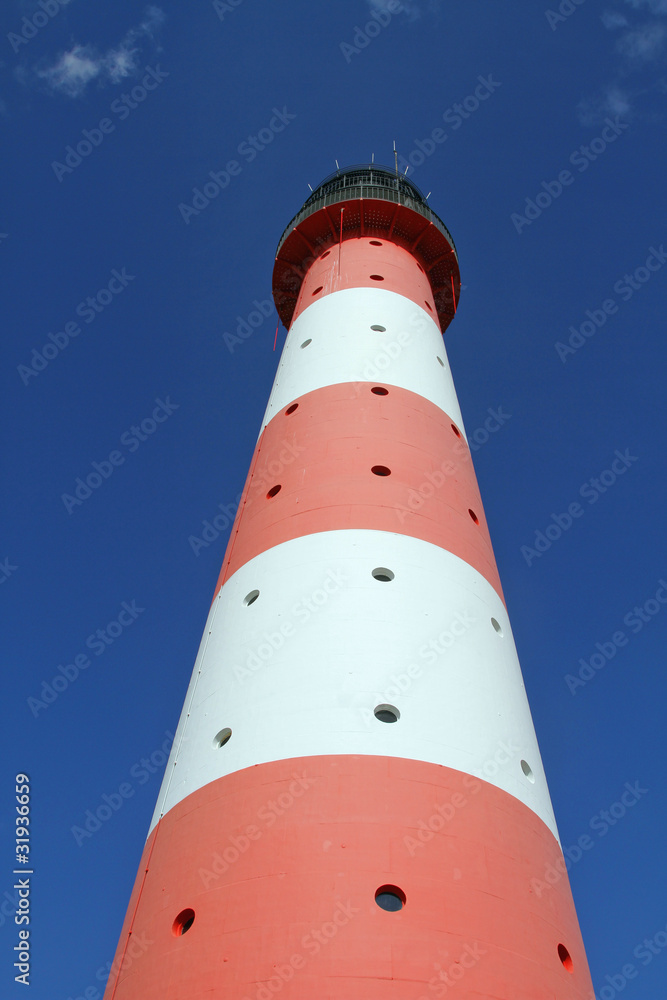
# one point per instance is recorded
(355, 806)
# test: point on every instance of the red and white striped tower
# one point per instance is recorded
(355, 806)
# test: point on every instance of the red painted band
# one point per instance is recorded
(279, 865)
(321, 457)
(367, 263)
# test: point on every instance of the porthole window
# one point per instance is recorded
(306, 343)
(386, 713)
(183, 922)
(221, 738)
(380, 470)
(379, 329)
(382, 574)
(528, 771)
(565, 958)
(390, 898)
(250, 598)
(291, 409)
(273, 491)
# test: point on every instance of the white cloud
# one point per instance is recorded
(643, 44)
(611, 102)
(612, 19)
(74, 70)
(655, 6)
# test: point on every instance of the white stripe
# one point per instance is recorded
(344, 348)
(299, 672)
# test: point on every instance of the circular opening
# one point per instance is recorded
(378, 328)
(272, 492)
(440, 360)
(381, 470)
(473, 516)
(382, 574)
(527, 770)
(375, 243)
(496, 626)
(318, 289)
(221, 738)
(386, 713)
(306, 342)
(390, 897)
(380, 391)
(291, 409)
(565, 957)
(250, 598)
(456, 430)
(183, 922)
(325, 254)
(428, 305)
(376, 277)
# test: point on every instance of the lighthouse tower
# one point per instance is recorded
(355, 807)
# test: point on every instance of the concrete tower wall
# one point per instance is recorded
(355, 805)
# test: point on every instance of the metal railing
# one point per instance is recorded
(367, 181)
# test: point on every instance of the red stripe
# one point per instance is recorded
(321, 455)
(359, 259)
(280, 863)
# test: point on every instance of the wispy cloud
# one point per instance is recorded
(641, 48)
(412, 8)
(613, 19)
(644, 44)
(655, 6)
(612, 101)
(73, 70)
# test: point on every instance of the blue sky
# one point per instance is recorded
(539, 132)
